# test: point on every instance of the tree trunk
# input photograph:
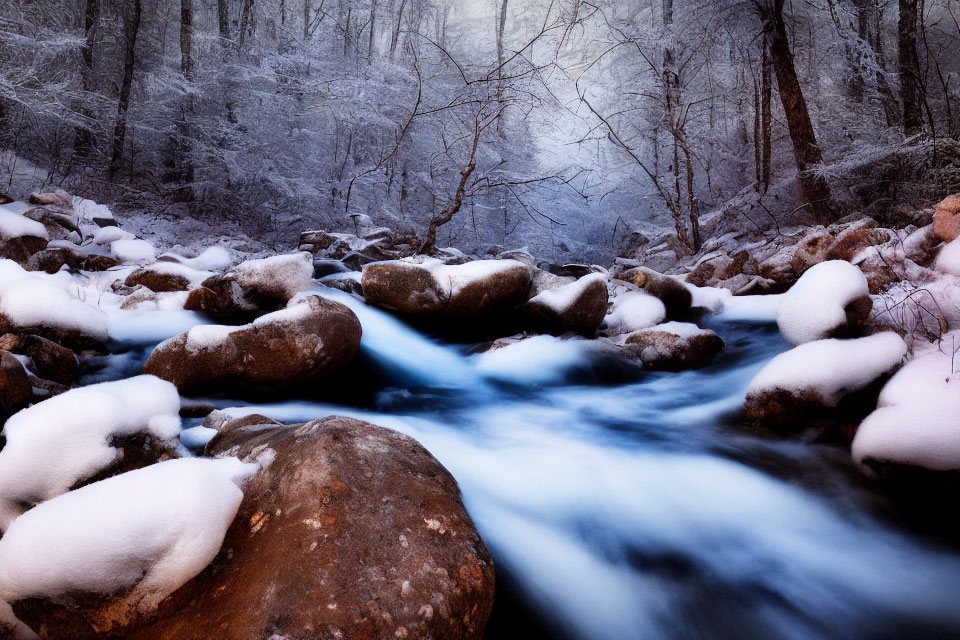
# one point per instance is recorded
(223, 20)
(395, 37)
(185, 145)
(306, 20)
(246, 21)
(908, 66)
(130, 59)
(806, 151)
(766, 115)
(373, 30)
(84, 140)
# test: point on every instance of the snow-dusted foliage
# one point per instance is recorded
(830, 369)
(59, 442)
(815, 307)
(148, 531)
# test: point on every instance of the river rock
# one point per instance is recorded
(48, 360)
(52, 260)
(311, 338)
(676, 298)
(351, 531)
(674, 346)
(577, 307)
(158, 279)
(428, 286)
(15, 388)
(946, 218)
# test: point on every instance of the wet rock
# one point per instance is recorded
(674, 346)
(15, 388)
(20, 249)
(850, 243)
(48, 360)
(352, 531)
(676, 298)
(577, 307)
(55, 198)
(946, 218)
(158, 279)
(60, 223)
(311, 338)
(52, 260)
(99, 263)
(429, 286)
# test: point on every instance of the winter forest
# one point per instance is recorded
(479, 319)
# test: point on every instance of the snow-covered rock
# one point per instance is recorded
(674, 346)
(133, 250)
(632, 311)
(32, 303)
(917, 421)
(675, 295)
(948, 260)
(831, 299)
(167, 276)
(15, 389)
(125, 543)
(58, 443)
(310, 338)
(799, 385)
(428, 286)
(577, 307)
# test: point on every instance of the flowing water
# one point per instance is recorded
(638, 508)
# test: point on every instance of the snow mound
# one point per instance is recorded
(815, 306)
(455, 277)
(132, 250)
(29, 300)
(287, 275)
(13, 225)
(830, 369)
(948, 260)
(88, 210)
(563, 297)
(107, 235)
(918, 418)
(149, 530)
(59, 442)
(536, 360)
(211, 259)
(633, 311)
(679, 329)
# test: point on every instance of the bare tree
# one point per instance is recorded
(131, 30)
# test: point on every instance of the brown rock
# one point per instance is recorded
(946, 218)
(60, 225)
(49, 360)
(403, 286)
(52, 260)
(56, 198)
(503, 290)
(158, 281)
(580, 307)
(5, 199)
(675, 297)
(667, 351)
(99, 263)
(15, 389)
(851, 242)
(813, 249)
(352, 532)
(289, 347)
(20, 249)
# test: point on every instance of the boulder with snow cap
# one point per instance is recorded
(577, 307)
(55, 198)
(807, 384)
(20, 237)
(350, 531)
(47, 359)
(428, 286)
(51, 260)
(59, 224)
(166, 276)
(832, 299)
(632, 311)
(254, 286)
(98, 561)
(674, 346)
(916, 427)
(312, 337)
(15, 389)
(946, 218)
(91, 432)
(676, 298)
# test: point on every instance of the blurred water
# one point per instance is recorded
(637, 510)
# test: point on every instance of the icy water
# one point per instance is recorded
(640, 509)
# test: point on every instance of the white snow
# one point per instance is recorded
(132, 250)
(149, 530)
(454, 278)
(288, 274)
(560, 299)
(208, 336)
(713, 299)
(814, 307)
(948, 260)
(751, 308)
(211, 259)
(193, 276)
(917, 421)
(13, 225)
(87, 210)
(831, 369)
(679, 329)
(106, 235)
(632, 311)
(536, 360)
(61, 441)
(29, 300)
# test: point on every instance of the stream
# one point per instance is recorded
(635, 508)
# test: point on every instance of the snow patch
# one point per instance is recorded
(814, 306)
(536, 360)
(561, 298)
(59, 442)
(633, 311)
(948, 260)
(288, 274)
(132, 250)
(13, 225)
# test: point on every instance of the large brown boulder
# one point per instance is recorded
(577, 307)
(310, 339)
(428, 286)
(352, 532)
(52, 260)
(48, 360)
(946, 218)
(158, 278)
(15, 389)
(674, 346)
(673, 294)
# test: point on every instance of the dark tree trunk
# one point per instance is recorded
(185, 145)
(766, 115)
(130, 59)
(806, 151)
(908, 67)
(373, 30)
(223, 20)
(306, 19)
(246, 21)
(84, 140)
